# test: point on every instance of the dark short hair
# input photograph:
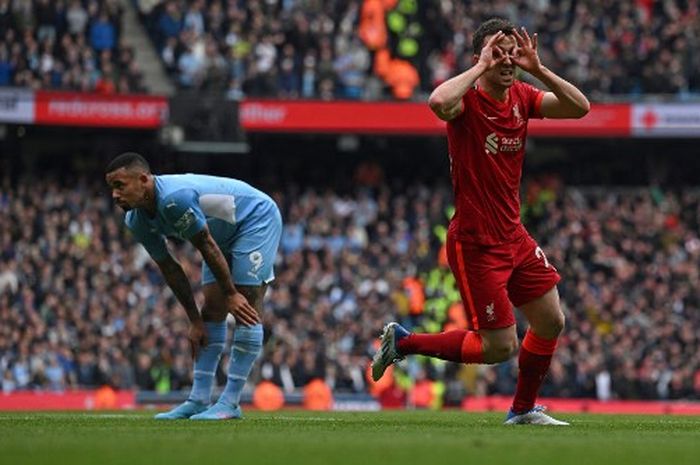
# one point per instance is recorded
(490, 27)
(128, 160)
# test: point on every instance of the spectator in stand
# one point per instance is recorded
(351, 65)
(77, 18)
(170, 22)
(194, 20)
(102, 33)
(190, 67)
(6, 66)
(45, 17)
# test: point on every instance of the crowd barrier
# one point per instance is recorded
(108, 399)
(50, 108)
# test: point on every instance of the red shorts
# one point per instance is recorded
(494, 278)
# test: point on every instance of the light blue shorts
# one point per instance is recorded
(252, 254)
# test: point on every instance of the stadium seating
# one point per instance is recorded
(366, 49)
(339, 49)
(82, 305)
(66, 45)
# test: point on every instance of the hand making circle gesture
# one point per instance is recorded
(491, 54)
(525, 55)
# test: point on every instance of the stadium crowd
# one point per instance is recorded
(66, 45)
(81, 305)
(329, 49)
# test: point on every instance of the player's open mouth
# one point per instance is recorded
(507, 73)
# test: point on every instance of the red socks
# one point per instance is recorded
(533, 362)
(458, 345)
(466, 347)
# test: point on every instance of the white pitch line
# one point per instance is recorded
(299, 419)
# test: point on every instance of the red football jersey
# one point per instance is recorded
(487, 147)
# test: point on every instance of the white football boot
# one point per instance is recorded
(536, 416)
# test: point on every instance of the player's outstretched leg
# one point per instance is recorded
(204, 370)
(388, 352)
(247, 345)
(458, 345)
(534, 416)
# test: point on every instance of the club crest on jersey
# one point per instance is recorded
(517, 115)
(490, 313)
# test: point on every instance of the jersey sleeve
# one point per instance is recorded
(153, 242)
(459, 120)
(467, 101)
(182, 210)
(533, 100)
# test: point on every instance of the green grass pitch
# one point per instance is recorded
(329, 438)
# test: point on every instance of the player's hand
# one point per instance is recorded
(491, 53)
(240, 308)
(198, 337)
(525, 55)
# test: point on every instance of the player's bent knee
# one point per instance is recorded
(254, 295)
(500, 351)
(553, 326)
(558, 323)
(212, 313)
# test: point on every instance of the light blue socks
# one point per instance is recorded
(247, 345)
(207, 361)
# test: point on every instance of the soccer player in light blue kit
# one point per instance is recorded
(237, 230)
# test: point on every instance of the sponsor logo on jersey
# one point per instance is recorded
(511, 144)
(185, 221)
(494, 144)
(491, 144)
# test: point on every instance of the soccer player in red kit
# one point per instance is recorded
(496, 263)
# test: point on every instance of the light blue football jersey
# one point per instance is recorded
(186, 202)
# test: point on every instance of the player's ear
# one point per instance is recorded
(475, 59)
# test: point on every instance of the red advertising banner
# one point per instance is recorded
(25, 106)
(339, 117)
(604, 120)
(100, 399)
(407, 119)
(627, 407)
(95, 110)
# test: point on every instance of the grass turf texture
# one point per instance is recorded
(419, 437)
